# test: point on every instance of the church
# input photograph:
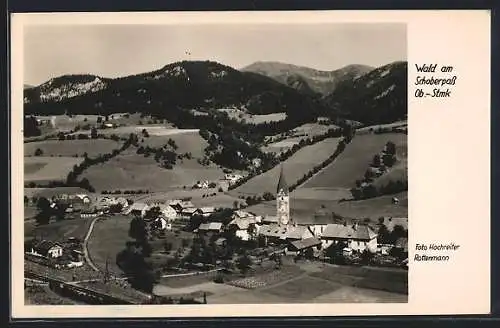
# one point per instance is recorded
(283, 229)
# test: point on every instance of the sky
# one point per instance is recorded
(120, 50)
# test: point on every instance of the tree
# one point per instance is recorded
(390, 148)
(383, 234)
(93, 133)
(38, 152)
(243, 263)
(45, 211)
(138, 229)
(377, 160)
(152, 213)
(115, 208)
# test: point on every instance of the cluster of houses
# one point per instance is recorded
(63, 254)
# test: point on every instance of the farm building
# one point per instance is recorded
(161, 224)
(357, 237)
(46, 248)
(210, 227)
(317, 223)
(167, 211)
(241, 226)
(300, 246)
(205, 211)
(188, 212)
(138, 209)
(182, 205)
(281, 233)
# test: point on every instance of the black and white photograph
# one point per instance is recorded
(215, 163)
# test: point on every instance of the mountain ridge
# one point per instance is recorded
(319, 81)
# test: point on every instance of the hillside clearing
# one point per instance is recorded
(188, 142)
(129, 171)
(294, 168)
(352, 164)
(44, 169)
(92, 147)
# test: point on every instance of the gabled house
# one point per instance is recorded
(167, 211)
(242, 227)
(46, 248)
(182, 205)
(138, 209)
(205, 211)
(161, 224)
(281, 233)
(300, 246)
(188, 212)
(210, 227)
(357, 237)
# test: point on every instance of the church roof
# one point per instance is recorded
(282, 182)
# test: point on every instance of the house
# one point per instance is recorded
(182, 205)
(161, 224)
(233, 178)
(242, 227)
(167, 211)
(46, 248)
(282, 233)
(138, 209)
(109, 125)
(210, 227)
(300, 246)
(205, 211)
(356, 236)
(201, 184)
(188, 212)
(317, 223)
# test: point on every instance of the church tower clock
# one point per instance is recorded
(282, 200)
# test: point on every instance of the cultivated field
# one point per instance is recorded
(129, 171)
(254, 119)
(323, 284)
(352, 164)
(102, 247)
(160, 130)
(196, 195)
(187, 141)
(304, 131)
(58, 231)
(294, 168)
(43, 169)
(70, 148)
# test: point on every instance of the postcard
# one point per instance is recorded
(208, 164)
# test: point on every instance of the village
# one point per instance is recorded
(228, 241)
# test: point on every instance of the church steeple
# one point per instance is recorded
(282, 185)
(282, 200)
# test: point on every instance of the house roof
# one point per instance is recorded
(190, 210)
(270, 218)
(313, 219)
(210, 226)
(241, 214)
(283, 232)
(306, 243)
(243, 223)
(44, 246)
(340, 231)
(206, 209)
(139, 207)
(164, 207)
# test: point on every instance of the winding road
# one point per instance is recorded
(85, 245)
